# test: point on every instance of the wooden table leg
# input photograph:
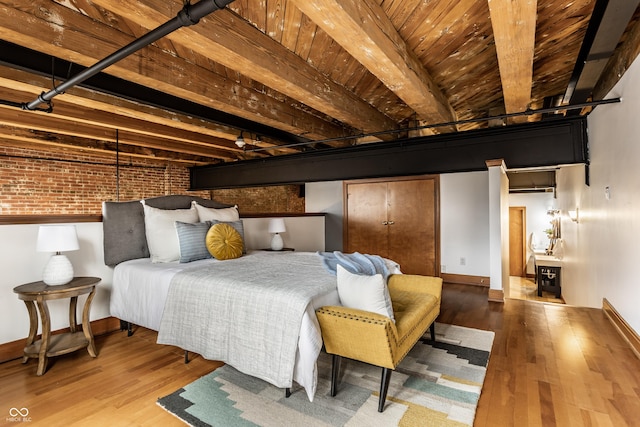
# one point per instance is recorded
(73, 304)
(86, 324)
(33, 326)
(46, 335)
(539, 280)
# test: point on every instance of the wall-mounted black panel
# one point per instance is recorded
(547, 143)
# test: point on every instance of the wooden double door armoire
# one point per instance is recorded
(395, 218)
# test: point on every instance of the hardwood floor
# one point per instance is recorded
(526, 288)
(118, 388)
(551, 365)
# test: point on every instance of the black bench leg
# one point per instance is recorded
(287, 392)
(186, 357)
(126, 325)
(384, 387)
(432, 331)
(335, 368)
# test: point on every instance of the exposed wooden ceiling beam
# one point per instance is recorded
(363, 29)
(166, 124)
(38, 140)
(62, 32)
(514, 31)
(19, 85)
(43, 122)
(231, 41)
(111, 121)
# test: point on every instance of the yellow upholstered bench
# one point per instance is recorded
(375, 339)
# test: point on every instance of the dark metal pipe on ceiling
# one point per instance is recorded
(189, 15)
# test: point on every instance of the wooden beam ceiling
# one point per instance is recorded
(37, 140)
(87, 43)
(95, 108)
(313, 74)
(514, 30)
(228, 40)
(363, 29)
(87, 114)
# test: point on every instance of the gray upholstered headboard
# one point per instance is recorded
(123, 225)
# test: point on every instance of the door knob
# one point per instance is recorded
(384, 223)
(391, 222)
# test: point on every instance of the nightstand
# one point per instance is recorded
(38, 293)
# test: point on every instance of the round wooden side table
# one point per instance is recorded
(38, 293)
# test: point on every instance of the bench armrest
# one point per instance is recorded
(358, 334)
(415, 283)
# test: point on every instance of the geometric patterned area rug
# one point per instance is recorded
(437, 384)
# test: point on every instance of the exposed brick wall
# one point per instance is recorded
(55, 182)
(276, 199)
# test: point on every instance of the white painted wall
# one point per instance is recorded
(21, 264)
(464, 223)
(304, 233)
(601, 251)
(327, 197)
(499, 229)
(464, 219)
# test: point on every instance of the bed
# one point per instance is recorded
(255, 312)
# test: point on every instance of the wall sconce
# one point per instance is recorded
(574, 215)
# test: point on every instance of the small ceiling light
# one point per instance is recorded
(240, 141)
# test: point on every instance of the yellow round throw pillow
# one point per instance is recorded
(224, 242)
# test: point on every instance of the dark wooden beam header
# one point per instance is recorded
(548, 143)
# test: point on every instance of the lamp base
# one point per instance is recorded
(58, 271)
(276, 242)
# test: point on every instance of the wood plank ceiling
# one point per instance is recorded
(288, 71)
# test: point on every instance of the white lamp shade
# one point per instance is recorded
(276, 225)
(57, 238)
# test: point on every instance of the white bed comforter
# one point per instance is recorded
(140, 291)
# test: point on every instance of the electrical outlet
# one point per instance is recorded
(443, 268)
(463, 261)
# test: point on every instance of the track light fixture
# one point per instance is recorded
(240, 141)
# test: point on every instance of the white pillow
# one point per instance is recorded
(369, 293)
(213, 214)
(162, 237)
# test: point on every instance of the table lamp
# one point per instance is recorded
(57, 238)
(276, 226)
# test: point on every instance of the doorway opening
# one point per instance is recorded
(521, 284)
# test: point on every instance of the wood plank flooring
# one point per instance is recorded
(551, 365)
(526, 288)
(118, 388)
